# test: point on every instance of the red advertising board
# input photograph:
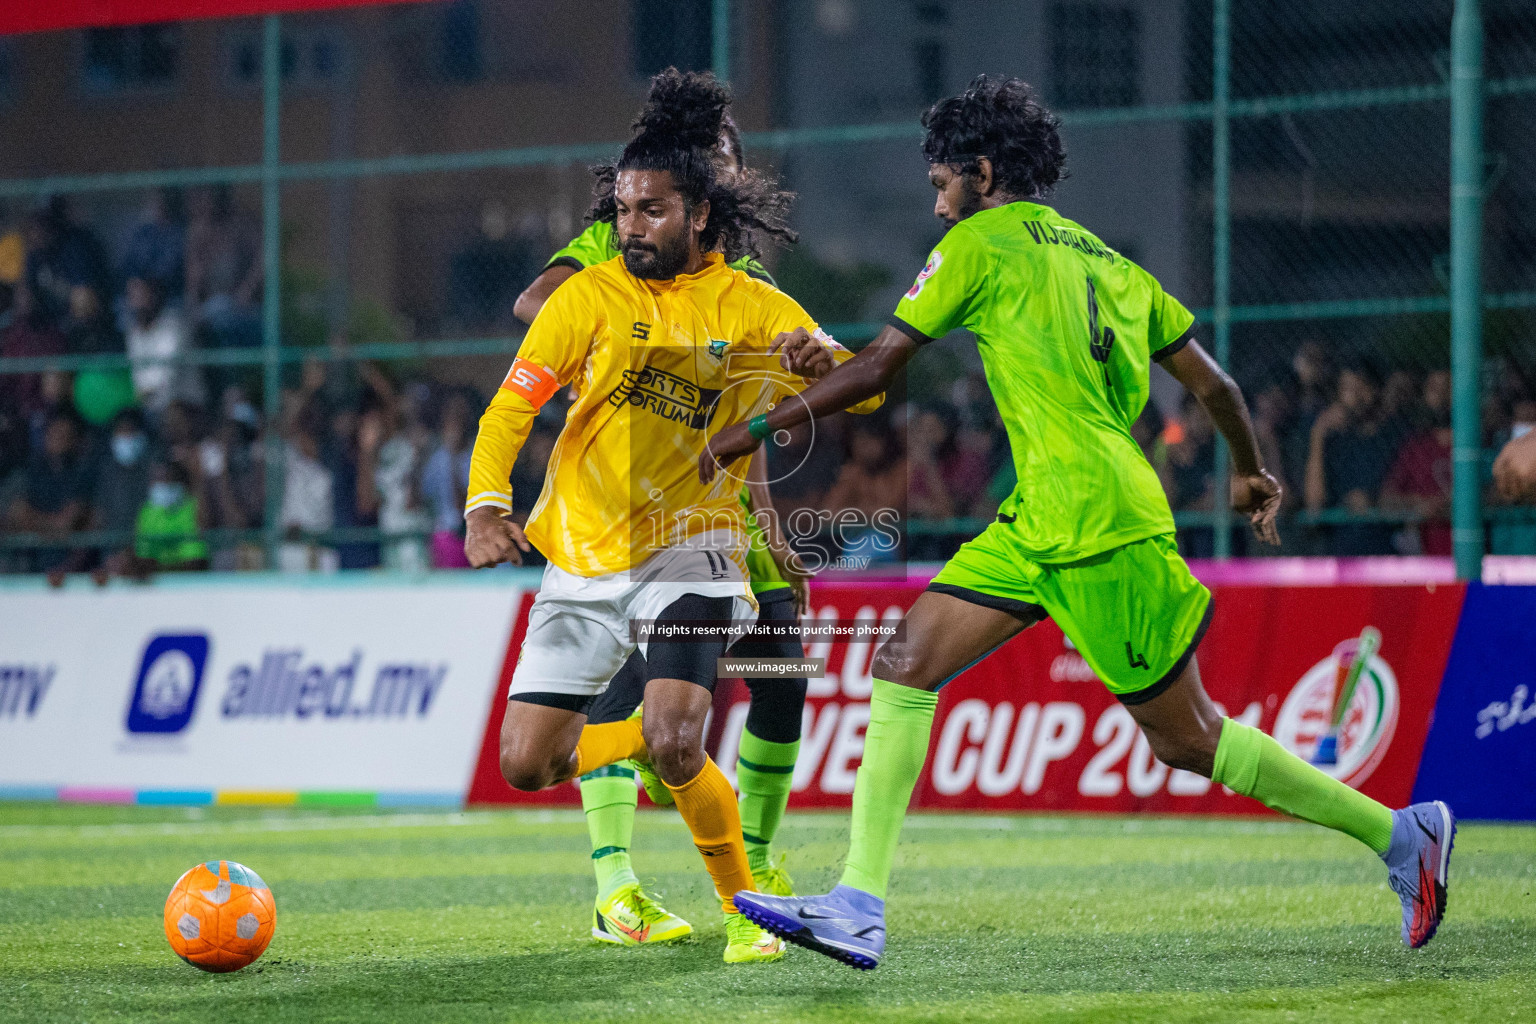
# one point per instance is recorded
(1031, 728)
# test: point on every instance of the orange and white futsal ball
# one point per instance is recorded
(220, 916)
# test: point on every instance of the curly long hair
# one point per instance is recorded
(679, 131)
(1002, 120)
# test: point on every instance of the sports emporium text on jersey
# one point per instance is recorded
(667, 395)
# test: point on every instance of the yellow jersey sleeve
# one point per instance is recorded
(781, 314)
(551, 356)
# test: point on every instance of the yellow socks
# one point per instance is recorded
(708, 806)
(607, 743)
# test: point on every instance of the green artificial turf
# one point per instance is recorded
(484, 916)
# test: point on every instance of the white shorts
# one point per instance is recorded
(579, 626)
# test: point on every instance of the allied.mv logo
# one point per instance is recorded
(1365, 724)
(170, 675)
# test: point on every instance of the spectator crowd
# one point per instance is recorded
(165, 466)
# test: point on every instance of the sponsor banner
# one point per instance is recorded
(1031, 727)
(264, 693)
(1481, 753)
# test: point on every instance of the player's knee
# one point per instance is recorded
(525, 772)
(676, 747)
(896, 663)
(1192, 751)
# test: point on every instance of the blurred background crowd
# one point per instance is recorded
(164, 465)
(429, 157)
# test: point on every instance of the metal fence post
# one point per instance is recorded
(272, 269)
(720, 39)
(1221, 248)
(1466, 286)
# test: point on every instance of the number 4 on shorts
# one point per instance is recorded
(1136, 660)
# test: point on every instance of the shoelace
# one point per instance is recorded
(648, 908)
(740, 929)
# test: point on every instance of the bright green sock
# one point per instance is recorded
(895, 746)
(609, 796)
(764, 773)
(1253, 764)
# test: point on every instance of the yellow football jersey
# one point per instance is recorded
(657, 366)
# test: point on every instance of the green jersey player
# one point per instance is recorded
(1067, 329)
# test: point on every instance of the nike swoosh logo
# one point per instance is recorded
(1425, 829)
(811, 915)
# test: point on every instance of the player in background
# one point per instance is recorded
(1067, 329)
(656, 343)
(624, 912)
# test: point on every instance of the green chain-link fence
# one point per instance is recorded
(342, 208)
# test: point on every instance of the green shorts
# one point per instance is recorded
(1135, 613)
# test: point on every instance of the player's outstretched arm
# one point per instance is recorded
(861, 378)
(536, 294)
(1255, 493)
(1514, 471)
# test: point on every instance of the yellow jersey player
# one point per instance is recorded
(657, 343)
(624, 913)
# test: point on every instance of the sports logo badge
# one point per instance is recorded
(165, 693)
(1366, 722)
(935, 259)
(717, 347)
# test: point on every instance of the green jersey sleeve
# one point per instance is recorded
(591, 247)
(947, 291)
(1168, 323)
(749, 266)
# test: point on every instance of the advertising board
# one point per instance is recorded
(277, 690)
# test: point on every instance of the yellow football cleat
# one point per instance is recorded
(631, 917)
(774, 880)
(746, 943)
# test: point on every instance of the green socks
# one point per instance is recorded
(895, 746)
(1253, 764)
(764, 773)
(609, 796)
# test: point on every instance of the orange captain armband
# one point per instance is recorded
(532, 381)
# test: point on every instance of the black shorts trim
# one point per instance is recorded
(565, 261)
(1025, 612)
(1173, 346)
(578, 702)
(1171, 676)
(910, 331)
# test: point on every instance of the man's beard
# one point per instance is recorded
(660, 263)
(970, 202)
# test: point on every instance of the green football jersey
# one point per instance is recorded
(1067, 329)
(595, 245)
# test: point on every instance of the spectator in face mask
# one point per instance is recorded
(169, 522)
(122, 482)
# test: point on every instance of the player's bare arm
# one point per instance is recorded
(790, 565)
(1255, 493)
(536, 294)
(1514, 471)
(861, 378)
